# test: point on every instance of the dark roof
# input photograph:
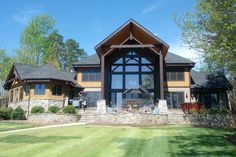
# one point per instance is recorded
(47, 71)
(209, 80)
(93, 59)
(170, 58)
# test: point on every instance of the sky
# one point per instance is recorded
(90, 21)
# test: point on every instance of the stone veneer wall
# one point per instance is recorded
(213, 120)
(127, 119)
(45, 103)
(50, 118)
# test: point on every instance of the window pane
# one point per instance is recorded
(16, 94)
(148, 68)
(39, 89)
(119, 61)
(132, 81)
(180, 76)
(116, 99)
(131, 68)
(145, 61)
(148, 81)
(116, 82)
(131, 60)
(117, 68)
(91, 75)
(92, 98)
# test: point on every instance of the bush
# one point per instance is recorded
(191, 107)
(53, 109)
(5, 113)
(225, 111)
(193, 111)
(213, 111)
(37, 109)
(69, 109)
(18, 114)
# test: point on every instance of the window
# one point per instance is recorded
(39, 89)
(210, 100)
(131, 77)
(27, 89)
(16, 94)
(91, 75)
(175, 75)
(11, 96)
(21, 93)
(56, 90)
(91, 98)
(116, 81)
(174, 99)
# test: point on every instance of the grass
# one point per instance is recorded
(104, 141)
(6, 126)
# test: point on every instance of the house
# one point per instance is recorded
(43, 85)
(131, 63)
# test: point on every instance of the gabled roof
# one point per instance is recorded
(137, 31)
(209, 80)
(44, 72)
(170, 58)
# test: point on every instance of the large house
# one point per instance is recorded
(131, 63)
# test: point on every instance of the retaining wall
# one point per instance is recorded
(213, 120)
(50, 118)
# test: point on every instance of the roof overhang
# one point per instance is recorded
(132, 30)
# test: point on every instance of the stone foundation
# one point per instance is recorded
(49, 118)
(126, 119)
(44, 103)
(213, 120)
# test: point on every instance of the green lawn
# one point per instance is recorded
(5, 126)
(104, 141)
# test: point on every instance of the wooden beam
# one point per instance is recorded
(102, 76)
(133, 46)
(161, 75)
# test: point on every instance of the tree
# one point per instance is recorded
(53, 48)
(210, 30)
(33, 39)
(72, 53)
(5, 64)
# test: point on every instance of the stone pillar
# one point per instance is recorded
(162, 106)
(101, 106)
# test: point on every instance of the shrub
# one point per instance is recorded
(5, 113)
(37, 109)
(193, 111)
(53, 109)
(213, 111)
(69, 109)
(187, 107)
(18, 114)
(225, 111)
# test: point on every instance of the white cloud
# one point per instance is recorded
(152, 7)
(24, 15)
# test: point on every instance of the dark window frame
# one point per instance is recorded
(175, 75)
(91, 75)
